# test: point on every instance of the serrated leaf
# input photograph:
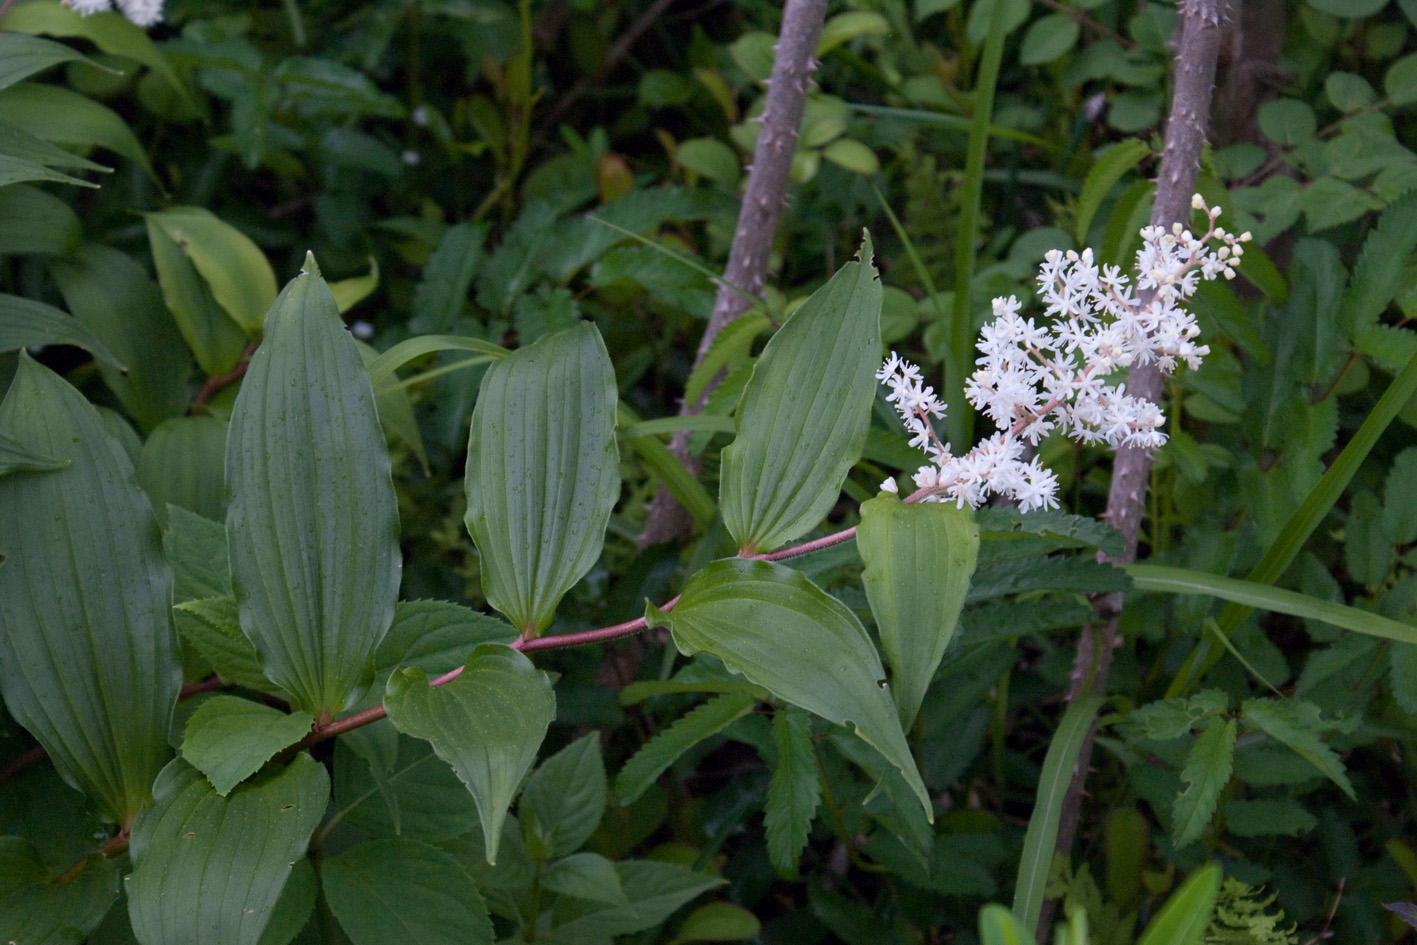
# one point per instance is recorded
(215, 338)
(588, 876)
(183, 464)
(704, 721)
(233, 267)
(1002, 524)
(112, 296)
(487, 723)
(62, 910)
(1400, 498)
(1297, 724)
(228, 738)
(517, 261)
(1054, 573)
(312, 521)
(196, 548)
(387, 891)
(1186, 913)
(784, 633)
(1208, 766)
(88, 654)
(919, 559)
(655, 891)
(803, 418)
(59, 116)
(542, 472)
(564, 798)
(443, 289)
(794, 792)
(583, 239)
(208, 870)
(212, 627)
(1268, 818)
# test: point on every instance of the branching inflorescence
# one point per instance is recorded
(142, 13)
(1034, 379)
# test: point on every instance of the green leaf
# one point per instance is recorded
(16, 142)
(182, 464)
(294, 907)
(517, 261)
(655, 891)
(381, 370)
(1042, 836)
(228, 738)
(442, 292)
(235, 270)
(1297, 724)
(212, 626)
(1268, 818)
(1208, 766)
(729, 349)
(704, 721)
(24, 322)
(1400, 83)
(1154, 577)
(196, 548)
(63, 910)
(404, 891)
(784, 633)
(919, 559)
(112, 296)
(1053, 573)
(588, 876)
(1348, 9)
(487, 723)
(312, 521)
(805, 412)
(35, 222)
(670, 470)
(406, 791)
(542, 472)
(395, 409)
(999, 926)
(350, 292)
(14, 170)
(711, 158)
(1400, 499)
(88, 660)
(435, 636)
(1048, 39)
(60, 116)
(215, 339)
(15, 456)
(1184, 917)
(849, 25)
(564, 798)
(718, 922)
(209, 869)
(795, 789)
(1106, 172)
(22, 56)
(1288, 122)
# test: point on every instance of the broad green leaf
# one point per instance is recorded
(919, 559)
(655, 891)
(24, 322)
(183, 463)
(542, 472)
(1287, 122)
(61, 910)
(233, 267)
(19, 143)
(60, 116)
(1107, 170)
(784, 633)
(803, 418)
(22, 56)
(711, 158)
(388, 891)
(228, 738)
(999, 926)
(719, 922)
(15, 456)
(487, 723)
(15, 170)
(564, 798)
(1184, 917)
(196, 549)
(312, 521)
(587, 876)
(1047, 39)
(112, 296)
(795, 789)
(1298, 724)
(1208, 766)
(35, 222)
(212, 627)
(704, 721)
(435, 636)
(414, 795)
(293, 909)
(1042, 836)
(88, 660)
(215, 339)
(442, 292)
(208, 870)
(1400, 82)
(1155, 577)
(381, 370)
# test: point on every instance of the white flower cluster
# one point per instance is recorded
(142, 13)
(1033, 379)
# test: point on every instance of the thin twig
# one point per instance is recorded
(1326, 931)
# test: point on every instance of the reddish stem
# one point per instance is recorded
(33, 756)
(218, 381)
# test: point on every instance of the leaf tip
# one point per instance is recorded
(310, 267)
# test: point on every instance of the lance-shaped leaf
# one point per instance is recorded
(87, 650)
(919, 559)
(25, 322)
(213, 335)
(404, 891)
(234, 268)
(542, 472)
(1208, 766)
(229, 738)
(15, 455)
(784, 633)
(312, 523)
(795, 790)
(487, 723)
(207, 869)
(803, 419)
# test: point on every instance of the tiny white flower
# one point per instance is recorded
(889, 486)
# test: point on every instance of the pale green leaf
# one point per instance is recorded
(542, 472)
(804, 414)
(350, 292)
(487, 723)
(704, 721)
(781, 631)
(718, 922)
(215, 338)
(388, 891)
(233, 267)
(228, 738)
(381, 370)
(88, 655)
(999, 926)
(1184, 917)
(1106, 172)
